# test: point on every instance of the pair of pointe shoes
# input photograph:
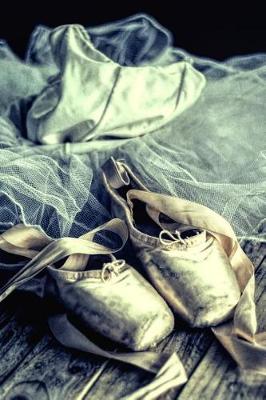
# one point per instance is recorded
(188, 269)
(180, 249)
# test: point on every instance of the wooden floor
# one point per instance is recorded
(33, 366)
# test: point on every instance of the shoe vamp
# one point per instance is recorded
(202, 284)
(120, 309)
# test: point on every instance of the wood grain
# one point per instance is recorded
(34, 366)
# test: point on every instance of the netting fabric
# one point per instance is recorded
(212, 152)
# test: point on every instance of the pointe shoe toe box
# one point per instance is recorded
(204, 292)
(127, 310)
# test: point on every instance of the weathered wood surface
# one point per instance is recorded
(33, 366)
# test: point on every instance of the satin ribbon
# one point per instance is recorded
(30, 242)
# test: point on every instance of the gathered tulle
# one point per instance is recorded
(213, 153)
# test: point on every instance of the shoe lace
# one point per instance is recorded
(112, 267)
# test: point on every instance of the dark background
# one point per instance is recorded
(214, 30)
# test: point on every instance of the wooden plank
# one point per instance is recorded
(17, 337)
(49, 371)
(217, 376)
(34, 366)
(119, 380)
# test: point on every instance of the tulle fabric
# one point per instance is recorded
(214, 153)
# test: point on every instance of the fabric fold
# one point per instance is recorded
(94, 96)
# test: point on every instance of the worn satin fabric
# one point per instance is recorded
(32, 243)
(80, 102)
(238, 336)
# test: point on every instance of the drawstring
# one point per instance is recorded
(172, 236)
(112, 267)
(197, 253)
